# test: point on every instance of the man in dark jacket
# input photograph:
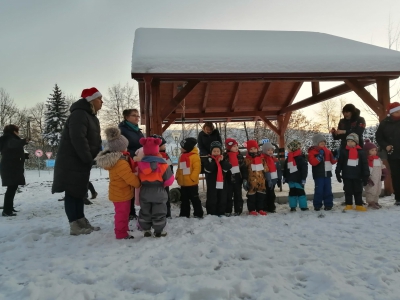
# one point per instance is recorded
(351, 123)
(388, 138)
(12, 166)
(79, 145)
(130, 129)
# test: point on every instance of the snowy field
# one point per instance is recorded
(304, 255)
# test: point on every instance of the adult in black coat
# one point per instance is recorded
(388, 138)
(351, 123)
(80, 143)
(208, 135)
(130, 129)
(11, 166)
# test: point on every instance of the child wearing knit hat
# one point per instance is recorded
(254, 179)
(353, 168)
(234, 178)
(378, 173)
(215, 168)
(187, 176)
(273, 176)
(321, 160)
(119, 164)
(295, 174)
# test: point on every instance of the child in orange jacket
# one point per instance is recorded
(119, 164)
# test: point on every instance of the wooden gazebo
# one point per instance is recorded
(228, 76)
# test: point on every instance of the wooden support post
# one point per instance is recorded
(166, 125)
(156, 121)
(315, 88)
(383, 90)
(270, 125)
(147, 101)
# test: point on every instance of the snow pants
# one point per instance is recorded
(190, 194)
(168, 203)
(153, 207)
(297, 195)
(74, 208)
(234, 197)
(395, 173)
(353, 187)
(255, 202)
(269, 201)
(323, 192)
(121, 218)
(216, 201)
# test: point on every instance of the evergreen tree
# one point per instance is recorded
(55, 117)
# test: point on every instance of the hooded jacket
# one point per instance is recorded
(388, 133)
(122, 180)
(195, 167)
(132, 136)
(355, 124)
(79, 145)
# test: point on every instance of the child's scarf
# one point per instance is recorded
(184, 163)
(130, 161)
(166, 157)
(233, 160)
(374, 161)
(270, 160)
(327, 159)
(256, 163)
(353, 156)
(292, 162)
(220, 176)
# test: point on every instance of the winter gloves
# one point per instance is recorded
(245, 185)
(339, 178)
(320, 156)
(370, 182)
(335, 154)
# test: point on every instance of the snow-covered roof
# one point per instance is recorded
(160, 50)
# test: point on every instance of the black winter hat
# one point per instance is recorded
(188, 143)
(156, 136)
(216, 144)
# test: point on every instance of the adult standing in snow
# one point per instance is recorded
(208, 135)
(11, 166)
(388, 138)
(351, 123)
(130, 129)
(80, 143)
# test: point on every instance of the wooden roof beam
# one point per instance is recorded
(365, 96)
(269, 124)
(293, 93)
(169, 123)
(328, 94)
(235, 95)
(170, 107)
(263, 96)
(238, 114)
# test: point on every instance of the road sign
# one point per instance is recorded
(265, 141)
(49, 154)
(50, 163)
(39, 153)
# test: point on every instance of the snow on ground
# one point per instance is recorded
(303, 255)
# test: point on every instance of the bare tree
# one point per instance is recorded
(8, 109)
(120, 98)
(329, 113)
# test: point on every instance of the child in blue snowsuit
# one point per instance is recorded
(295, 174)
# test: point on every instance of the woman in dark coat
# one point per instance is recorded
(130, 129)
(208, 135)
(12, 166)
(351, 123)
(388, 138)
(80, 143)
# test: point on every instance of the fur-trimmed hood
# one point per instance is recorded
(107, 159)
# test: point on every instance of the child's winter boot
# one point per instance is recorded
(360, 208)
(348, 207)
(84, 223)
(253, 213)
(292, 209)
(147, 233)
(263, 213)
(160, 234)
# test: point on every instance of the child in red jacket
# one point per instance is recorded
(321, 159)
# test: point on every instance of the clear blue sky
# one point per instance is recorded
(85, 43)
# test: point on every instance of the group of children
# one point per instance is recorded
(227, 172)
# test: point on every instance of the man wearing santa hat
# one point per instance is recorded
(388, 138)
(80, 143)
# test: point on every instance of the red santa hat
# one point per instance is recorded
(229, 143)
(150, 146)
(90, 94)
(393, 107)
